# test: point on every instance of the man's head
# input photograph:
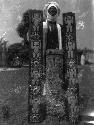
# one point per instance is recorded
(52, 11)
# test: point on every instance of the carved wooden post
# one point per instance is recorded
(54, 83)
(36, 107)
(70, 64)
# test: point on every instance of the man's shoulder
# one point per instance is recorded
(45, 25)
(61, 25)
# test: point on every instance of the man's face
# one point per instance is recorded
(52, 11)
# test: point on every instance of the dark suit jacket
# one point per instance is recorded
(60, 31)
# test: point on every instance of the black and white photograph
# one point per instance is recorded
(46, 62)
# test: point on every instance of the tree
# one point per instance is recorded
(23, 26)
(17, 50)
(3, 51)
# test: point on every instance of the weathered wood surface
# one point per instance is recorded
(54, 86)
(70, 64)
(36, 108)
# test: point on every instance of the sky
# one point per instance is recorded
(11, 12)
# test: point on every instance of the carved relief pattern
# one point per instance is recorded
(35, 86)
(54, 64)
(60, 69)
(70, 62)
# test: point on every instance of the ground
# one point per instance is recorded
(14, 93)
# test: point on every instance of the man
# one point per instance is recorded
(51, 29)
(52, 39)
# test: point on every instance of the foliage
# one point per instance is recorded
(23, 26)
(19, 50)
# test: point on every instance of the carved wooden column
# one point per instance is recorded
(70, 64)
(36, 106)
(54, 87)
